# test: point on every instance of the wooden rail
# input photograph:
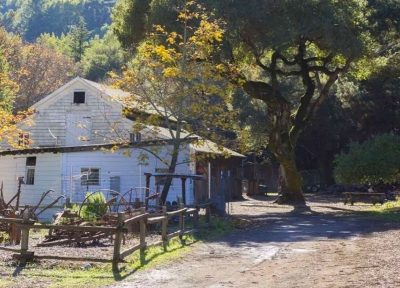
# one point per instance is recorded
(25, 225)
(352, 197)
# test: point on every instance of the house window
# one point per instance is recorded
(30, 170)
(79, 97)
(90, 176)
(23, 139)
(135, 137)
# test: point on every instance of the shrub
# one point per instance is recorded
(94, 207)
(375, 161)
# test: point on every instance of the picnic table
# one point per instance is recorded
(374, 197)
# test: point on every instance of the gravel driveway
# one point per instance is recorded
(329, 246)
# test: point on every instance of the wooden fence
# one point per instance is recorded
(117, 232)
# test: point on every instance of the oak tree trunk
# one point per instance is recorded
(282, 140)
(291, 187)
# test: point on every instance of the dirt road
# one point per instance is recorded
(327, 247)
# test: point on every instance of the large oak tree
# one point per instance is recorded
(287, 54)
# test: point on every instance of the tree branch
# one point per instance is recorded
(300, 119)
(324, 92)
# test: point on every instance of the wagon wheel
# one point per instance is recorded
(128, 195)
(109, 203)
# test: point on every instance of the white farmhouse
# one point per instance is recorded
(74, 132)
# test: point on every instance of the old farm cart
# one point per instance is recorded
(122, 227)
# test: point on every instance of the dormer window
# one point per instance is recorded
(23, 139)
(135, 137)
(79, 97)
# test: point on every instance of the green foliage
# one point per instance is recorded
(94, 207)
(372, 162)
(390, 211)
(129, 17)
(61, 44)
(374, 104)
(78, 39)
(31, 18)
(4, 237)
(8, 88)
(102, 56)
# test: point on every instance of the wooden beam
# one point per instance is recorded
(177, 212)
(155, 219)
(83, 259)
(73, 228)
(129, 251)
(136, 218)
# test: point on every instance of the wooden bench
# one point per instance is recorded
(351, 197)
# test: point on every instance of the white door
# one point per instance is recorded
(79, 128)
(115, 184)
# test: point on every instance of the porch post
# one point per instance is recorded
(183, 190)
(147, 192)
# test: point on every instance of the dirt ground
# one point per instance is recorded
(103, 249)
(328, 246)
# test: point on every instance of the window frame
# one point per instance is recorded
(24, 139)
(135, 137)
(30, 170)
(76, 97)
(88, 181)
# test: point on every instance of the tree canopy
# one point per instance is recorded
(31, 18)
(287, 54)
(176, 89)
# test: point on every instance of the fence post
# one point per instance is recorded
(181, 221)
(208, 215)
(196, 219)
(164, 228)
(117, 241)
(25, 238)
(142, 236)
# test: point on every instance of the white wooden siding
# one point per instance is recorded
(123, 163)
(107, 121)
(47, 176)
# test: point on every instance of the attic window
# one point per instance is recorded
(79, 97)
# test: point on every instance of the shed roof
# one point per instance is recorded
(103, 147)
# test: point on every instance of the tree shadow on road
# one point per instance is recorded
(306, 224)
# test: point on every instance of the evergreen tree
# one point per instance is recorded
(102, 56)
(78, 40)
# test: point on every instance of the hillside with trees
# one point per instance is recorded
(305, 87)
(31, 18)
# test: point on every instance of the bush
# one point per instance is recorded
(373, 162)
(94, 207)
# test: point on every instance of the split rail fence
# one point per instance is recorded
(117, 232)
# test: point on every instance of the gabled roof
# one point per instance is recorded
(103, 89)
(112, 92)
(118, 95)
